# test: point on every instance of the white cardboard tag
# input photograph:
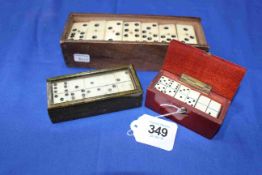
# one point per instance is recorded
(85, 58)
(154, 131)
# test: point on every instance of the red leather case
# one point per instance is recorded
(222, 75)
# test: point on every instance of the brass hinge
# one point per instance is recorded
(203, 87)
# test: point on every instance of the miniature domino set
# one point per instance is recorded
(94, 92)
(91, 86)
(194, 80)
(133, 31)
(189, 96)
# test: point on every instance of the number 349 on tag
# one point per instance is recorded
(160, 131)
(154, 131)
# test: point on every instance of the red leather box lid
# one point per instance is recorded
(222, 75)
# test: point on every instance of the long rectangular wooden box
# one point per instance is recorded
(107, 53)
(213, 79)
(92, 93)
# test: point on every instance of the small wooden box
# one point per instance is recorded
(92, 93)
(105, 53)
(217, 79)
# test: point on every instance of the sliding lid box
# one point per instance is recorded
(93, 93)
(223, 78)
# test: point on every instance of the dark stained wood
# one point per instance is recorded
(94, 108)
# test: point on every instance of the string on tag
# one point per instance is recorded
(181, 110)
(129, 133)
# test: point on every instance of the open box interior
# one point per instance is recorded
(190, 109)
(222, 76)
(195, 22)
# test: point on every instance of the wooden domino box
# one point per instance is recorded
(105, 40)
(92, 93)
(200, 83)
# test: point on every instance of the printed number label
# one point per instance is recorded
(158, 130)
(154, 131)
(85, 58)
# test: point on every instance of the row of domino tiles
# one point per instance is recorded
(86, 87)
(188, 96)
(132, 31)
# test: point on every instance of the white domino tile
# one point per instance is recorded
(91, 92)
(78, 31)
(213, 109)
(122, 76)
(91, 82)
(192, 98)
(114, 30)
(175, 85)
(170, 91)
(212, 112)
(182, 93)
(201, 107)
(204, 100)
(76, 95)
(102, 80)
(58, 87)
(180, 96)
(58, 98)
(214, 105)
(96, 30)
(99, 91)
(75, 85)
(125, 86)
(186, 34)
(150, 32)
(160, 87)
(167, 32)
(202, 103)
(132, 31)
(111, 89)
(165, 81)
